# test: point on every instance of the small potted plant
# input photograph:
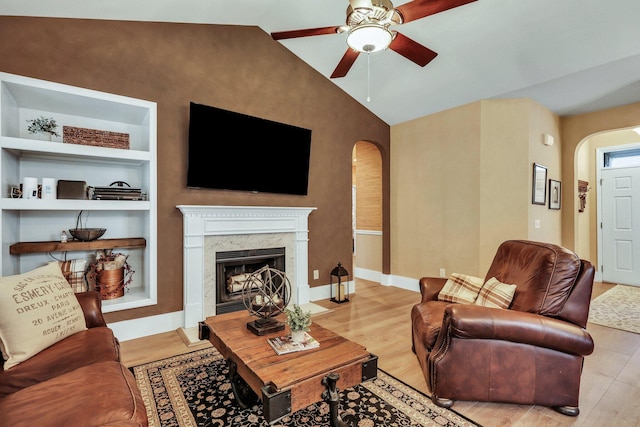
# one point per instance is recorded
(299, 322)
(43, 126)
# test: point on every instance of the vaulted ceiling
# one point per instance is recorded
(571, 56)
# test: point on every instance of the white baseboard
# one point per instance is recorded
(318, 293)
(387, 279)
(137, 328)
(407, 283)
(363, 273)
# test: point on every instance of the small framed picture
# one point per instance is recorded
(555, 194)
(539, 182)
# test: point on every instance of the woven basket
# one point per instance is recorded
(96, 138)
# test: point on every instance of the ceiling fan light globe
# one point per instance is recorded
(369, 38)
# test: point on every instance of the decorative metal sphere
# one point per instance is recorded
(266, 293)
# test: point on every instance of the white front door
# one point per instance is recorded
(621, 225)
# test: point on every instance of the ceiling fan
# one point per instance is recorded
(368, 28)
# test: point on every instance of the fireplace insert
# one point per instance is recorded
(233, 267)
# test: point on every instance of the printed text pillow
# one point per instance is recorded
(37, 309)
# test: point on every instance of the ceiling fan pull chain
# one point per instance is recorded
(368, 76)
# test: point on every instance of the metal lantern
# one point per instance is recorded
(340, 284)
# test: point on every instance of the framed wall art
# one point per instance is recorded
(539, 183)
(555, 194)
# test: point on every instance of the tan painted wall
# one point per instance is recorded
(461, 185)
(503, 158)
(233, 67)
(435, 193)
(369, 252)
(545, 122)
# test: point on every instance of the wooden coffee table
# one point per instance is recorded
(289, 382)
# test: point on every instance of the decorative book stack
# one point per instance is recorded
(284, 344)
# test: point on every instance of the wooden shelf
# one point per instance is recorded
(75, 245)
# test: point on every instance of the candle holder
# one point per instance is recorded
(340, 288)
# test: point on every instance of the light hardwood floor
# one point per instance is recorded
(378, 317)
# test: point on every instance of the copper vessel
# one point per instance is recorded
(110, 283)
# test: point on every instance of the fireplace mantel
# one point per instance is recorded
(201, 221)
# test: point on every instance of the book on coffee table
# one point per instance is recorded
(284, 344)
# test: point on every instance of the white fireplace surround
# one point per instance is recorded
(202, 221)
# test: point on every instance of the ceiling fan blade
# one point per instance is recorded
(412, 50)
(304, 33)
(345, 63)
(420, 8)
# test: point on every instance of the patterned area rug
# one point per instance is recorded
(193, 390)
(617, 308)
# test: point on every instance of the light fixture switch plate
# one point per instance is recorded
(536, 223)
(316, 274)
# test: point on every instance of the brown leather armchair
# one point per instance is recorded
(531, 353)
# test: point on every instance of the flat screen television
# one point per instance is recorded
(234, 151)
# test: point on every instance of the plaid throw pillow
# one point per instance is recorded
(496, 294)
(73, 270)
(461, 288)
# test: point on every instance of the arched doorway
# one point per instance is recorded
(591, 234)
(367, 211)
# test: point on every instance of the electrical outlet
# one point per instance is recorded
(316, 274)
(536, 223)
(442, 273)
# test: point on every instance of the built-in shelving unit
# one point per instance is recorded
(31, 228)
